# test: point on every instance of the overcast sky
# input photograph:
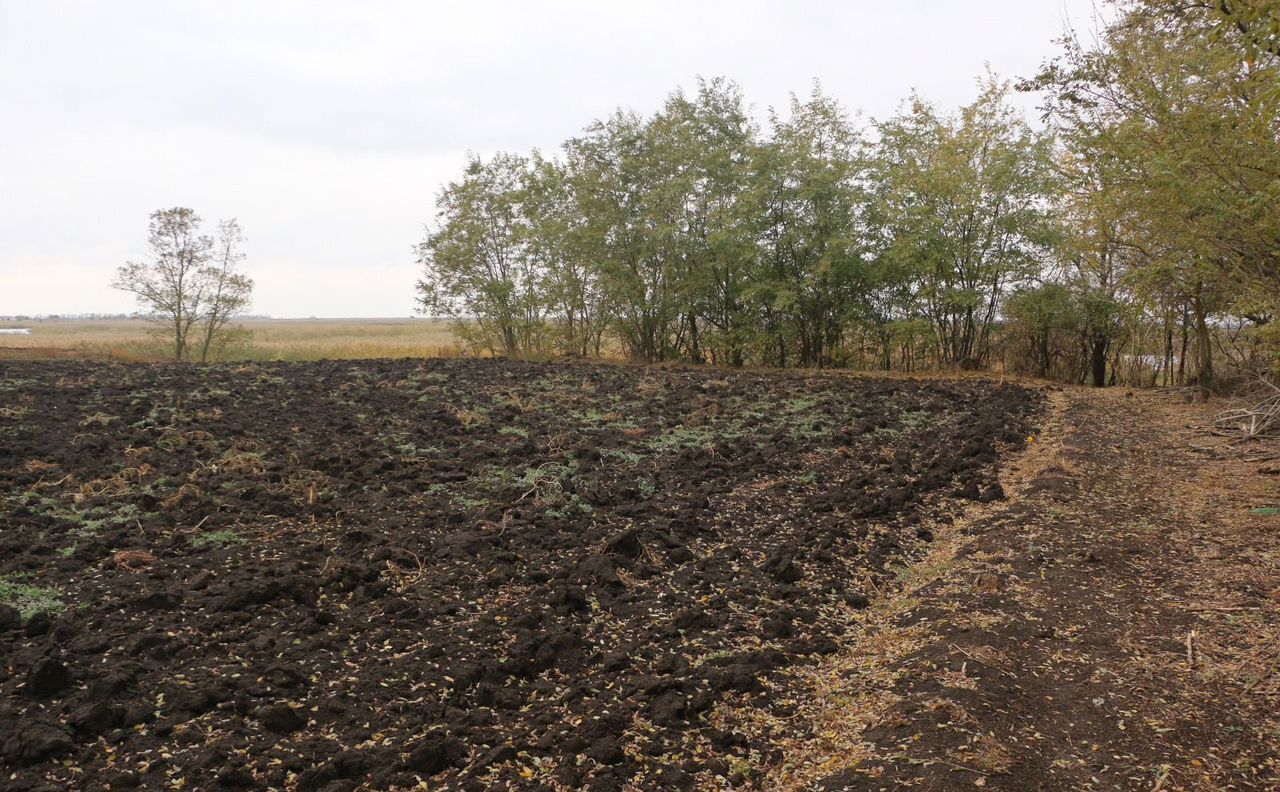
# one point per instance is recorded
(327, 128)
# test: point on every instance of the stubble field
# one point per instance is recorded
(466, 574)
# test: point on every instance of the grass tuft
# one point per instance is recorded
(223, 538)
(28, 599)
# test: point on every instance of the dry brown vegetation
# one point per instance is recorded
(272, 339)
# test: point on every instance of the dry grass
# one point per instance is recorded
(271, 339)
(1235, 589)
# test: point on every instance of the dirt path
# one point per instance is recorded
(1044, 644)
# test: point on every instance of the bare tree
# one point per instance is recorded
(171, 287)
(192, 283)
(230, 289)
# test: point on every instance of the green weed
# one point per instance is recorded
(680, 438)
(573, 505)
(800, 404)
(223, 538)
(916, 418)
(28, 599)
(631, 458)
(550, 471)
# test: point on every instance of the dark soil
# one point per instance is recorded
(477, 574)
(1114, 626)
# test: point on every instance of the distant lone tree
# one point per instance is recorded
(192, 286)
(230, 289)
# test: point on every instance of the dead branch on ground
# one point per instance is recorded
(1258, 418)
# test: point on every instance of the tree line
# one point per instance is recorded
(694, 234)
(1135, 237)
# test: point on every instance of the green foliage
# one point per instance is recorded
(690, 235)
(29, 599)
(549, 471)
(476, 268)
(1150, 206)
(1169, 127)
(964, 205)
(915, 419)
(628, 458)
(571, 506)
(1043, 314)
(681, 437)
(222, 538)
(814, 268)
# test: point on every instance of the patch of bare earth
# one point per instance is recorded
(1115, 624)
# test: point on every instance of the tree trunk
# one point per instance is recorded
(177, 339)
(695, 349)
(1098, 362)
(1044, 354)
(1182, 356)
(1204, 349)
(207, 341)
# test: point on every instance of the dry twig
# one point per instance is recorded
(1259, 418)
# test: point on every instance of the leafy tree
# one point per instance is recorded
(687, 234)
(810, 200)
(963, 207)
(476, 268)
(1094, 262)
(1042, 312)
(558, 240)
(629, 205)
(1183, 98)
(710, 141)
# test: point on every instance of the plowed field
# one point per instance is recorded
(468, 574)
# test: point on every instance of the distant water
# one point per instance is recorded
(15, 331)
